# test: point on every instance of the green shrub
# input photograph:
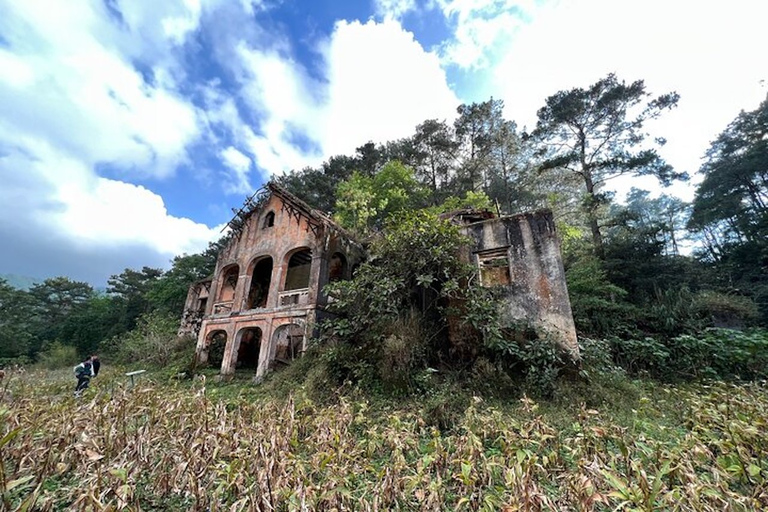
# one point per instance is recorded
(598, 305)
(542, 364)
(182, 359)
(403, 353)
(713, 353)
(57, 356)
(596, 357)
(7, 362)
(640, 355)
(492, 378)
(346, 362)
(445, 409)
(153, 342)
(725, 310)
(723, 353)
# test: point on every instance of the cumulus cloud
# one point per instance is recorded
(378, 84)
(72, 101)
(382, 83)
(239, 165)
(394, 9)
(78, 91)
(96, 97)
(711, 55)
(481, 27)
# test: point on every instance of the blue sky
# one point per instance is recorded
(129, 128)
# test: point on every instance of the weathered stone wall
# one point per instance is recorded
(273, 232)
(194, 308)
(534, 282)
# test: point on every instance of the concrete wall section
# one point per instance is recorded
(534, 283)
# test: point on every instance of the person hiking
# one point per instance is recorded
(83, 372)
(95, 364)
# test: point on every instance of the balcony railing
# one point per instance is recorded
(294, 297)
(222, 308)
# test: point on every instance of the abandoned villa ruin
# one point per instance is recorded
(266, 294)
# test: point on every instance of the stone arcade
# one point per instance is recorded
(266, 292)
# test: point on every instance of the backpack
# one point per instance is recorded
(82, 370)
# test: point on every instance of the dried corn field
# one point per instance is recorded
(161, 447)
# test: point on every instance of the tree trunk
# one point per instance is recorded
(591, 211)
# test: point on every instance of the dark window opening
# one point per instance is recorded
(248, 351)
(202, 303)
(298, 271)
(269, 220)
(260, 282)
(337, 268)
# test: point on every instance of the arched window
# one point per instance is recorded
(261, 278)
(269, 220)
(228, 283)
(337, 268)
(248, 351)
(299, 265)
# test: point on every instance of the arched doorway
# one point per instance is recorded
(288, 341)
(261, 278)
(215, 344)
(248, 349)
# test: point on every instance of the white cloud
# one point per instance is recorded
(382, 83)
(71, 100)
(394, 9)
(90, 210)
(176, 28)
(114, 212)
(480, 27)
(712, 55)
(82, 94)
(240, 165)
(378, 84)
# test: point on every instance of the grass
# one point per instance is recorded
(303, 444)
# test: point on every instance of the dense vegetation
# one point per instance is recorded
(488, 421)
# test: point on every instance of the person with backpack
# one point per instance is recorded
(83, 372)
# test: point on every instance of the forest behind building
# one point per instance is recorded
(645, 272)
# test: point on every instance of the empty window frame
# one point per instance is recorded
(494, 268)
(229, 283)
(299, 266)
(337, 268)
(269, 220)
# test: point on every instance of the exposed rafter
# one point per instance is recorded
(250, 205)
(295, 207)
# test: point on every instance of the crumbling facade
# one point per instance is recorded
(266, 292)
(520, 255)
